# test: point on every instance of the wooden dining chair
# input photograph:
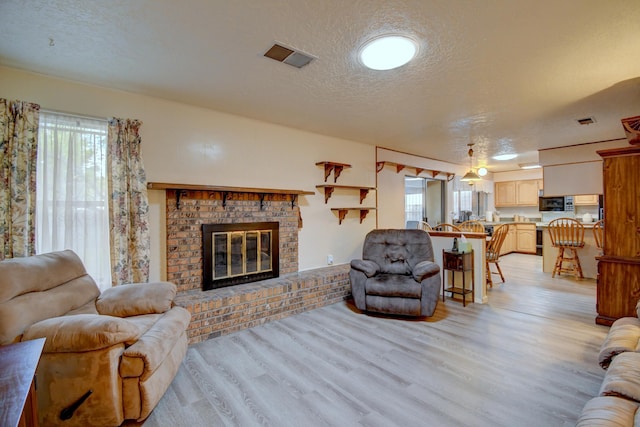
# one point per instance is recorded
(445, 227)
(493, 251)
(424, 225)
(473, 226)
(567, 234)
(598, 234)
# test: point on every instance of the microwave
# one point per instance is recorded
(555, 204)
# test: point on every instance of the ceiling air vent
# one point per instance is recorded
(288, 56)
(586, 121)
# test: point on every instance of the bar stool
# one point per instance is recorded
(567, 233)
(598, 234)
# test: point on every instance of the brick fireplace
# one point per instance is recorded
(224, 310)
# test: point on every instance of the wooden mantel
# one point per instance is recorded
(181, 189)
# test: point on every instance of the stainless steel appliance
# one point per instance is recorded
(555, 204)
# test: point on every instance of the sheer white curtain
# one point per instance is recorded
(71, 210)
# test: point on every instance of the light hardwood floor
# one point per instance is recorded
(527, 358)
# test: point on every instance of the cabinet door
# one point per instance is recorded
(589, 199)
(527, 192)
(505, 193)
(526, 238)
(509, 244)
(617, 291)
(621, 176)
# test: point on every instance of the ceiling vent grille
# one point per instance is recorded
(288, 56)
(586, 121)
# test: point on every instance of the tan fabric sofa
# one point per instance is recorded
(120, 348)
(618, 399)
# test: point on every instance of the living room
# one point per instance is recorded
(194, 143)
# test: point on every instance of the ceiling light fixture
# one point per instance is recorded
(471, 175)
(505, 157)
(388, 52)
(529, 166)
(482, 171)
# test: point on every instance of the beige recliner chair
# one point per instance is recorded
(108, 356)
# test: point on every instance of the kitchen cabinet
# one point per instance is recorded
(526, 238)
(510, 241)
(618, 284)
(517, 193)
(589, 199)
(527, 192)
(505, 193)
(520, 238)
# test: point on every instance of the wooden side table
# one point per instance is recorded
(18, 363)
(457, 261)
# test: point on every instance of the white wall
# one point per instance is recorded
(576, 169)
(186, 144)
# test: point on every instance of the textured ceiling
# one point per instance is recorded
(507, 75)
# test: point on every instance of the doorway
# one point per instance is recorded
(424, 200)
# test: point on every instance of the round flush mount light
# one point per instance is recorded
(482, 171)
(388, 52)
(505, 157)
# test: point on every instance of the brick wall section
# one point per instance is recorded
(229, 309)
(225, 310)
(184, 229)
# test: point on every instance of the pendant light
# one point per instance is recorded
(471, 175)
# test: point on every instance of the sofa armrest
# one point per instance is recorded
(83, 332)
(136, 299)
(147, 354)
(425, 269)
(369, 268)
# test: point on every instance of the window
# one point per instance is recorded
(423, 201)
(71, 191)
(467, 199)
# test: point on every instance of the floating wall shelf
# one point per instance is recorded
(400, 167)
(342, 213)
(328, 190)
(333, 166)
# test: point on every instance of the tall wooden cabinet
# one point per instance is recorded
(619, 266)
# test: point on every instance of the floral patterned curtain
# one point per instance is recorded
(128, 204)
(18, 147)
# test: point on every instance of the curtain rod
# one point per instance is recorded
(80, 116)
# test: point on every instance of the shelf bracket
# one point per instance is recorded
(262, 201)
(399, 168)
(379, 166)
(179, 194)
(450, 176)
(294, 198)
(225, 194)
(363, 194)
(434, 173)
(363, 214)
(337, 170)
(341, 214)
(419, 171)
(327, 171)
(327, 193)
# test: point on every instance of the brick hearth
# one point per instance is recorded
(225, 310)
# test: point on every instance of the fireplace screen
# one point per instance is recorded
(239, 253)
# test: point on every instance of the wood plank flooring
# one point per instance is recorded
(527, 358)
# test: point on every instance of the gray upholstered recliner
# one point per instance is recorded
(397, 274)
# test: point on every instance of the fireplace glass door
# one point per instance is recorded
(239, 253)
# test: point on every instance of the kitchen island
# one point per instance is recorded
(587, 254)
